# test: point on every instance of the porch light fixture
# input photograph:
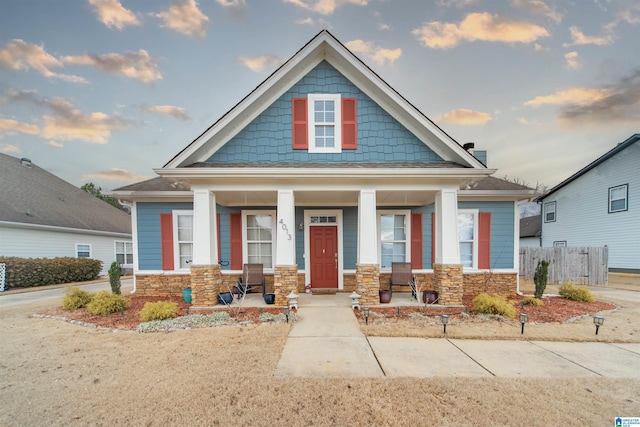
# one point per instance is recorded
(355, 300)
(301, 226)
(293, 300)
(598, 321)
(286, 312)
(365, 313)
(523, 320)
(444, 318)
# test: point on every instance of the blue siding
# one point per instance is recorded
(224, 252)
(300, 238)
(381, 139)
(350, 237)
(148, 223)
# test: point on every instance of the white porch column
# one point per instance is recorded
(367, 228)
(286, 229)
(447, 246)
(205, 231)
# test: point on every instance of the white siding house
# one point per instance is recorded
(42, 216)
(598, 206)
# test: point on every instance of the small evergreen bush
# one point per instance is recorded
(494, 304)
(105, 302)
(115, 271)
(75, 298)
(532, 301)
(576, 293)
(540, 277)
(158, 311)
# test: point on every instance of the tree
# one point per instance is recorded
(91, 188)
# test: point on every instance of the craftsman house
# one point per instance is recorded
(325, 175)
(598, 206)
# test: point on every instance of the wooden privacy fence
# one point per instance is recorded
(578, 265)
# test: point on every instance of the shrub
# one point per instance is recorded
(26, 272)
(75, 298)
(494, 304)
(115, 271)
(540, 277)
(576, 293)
(106, 303)
(158, 311)
(532, 301)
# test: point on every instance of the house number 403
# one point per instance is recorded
(285, 228)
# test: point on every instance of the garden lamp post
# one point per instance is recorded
(523, 320)
(293, 300)
(355, 300)
(365, 313)
(598, 321)
(286, 310)
(444, 318)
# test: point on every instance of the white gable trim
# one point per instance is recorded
(322, 47)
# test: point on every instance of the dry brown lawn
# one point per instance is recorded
(55, 373)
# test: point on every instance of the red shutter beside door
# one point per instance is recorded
(484, 240)
(416, 240)
(349, 124)
(166, 238)
(235, 235)
(300, 134)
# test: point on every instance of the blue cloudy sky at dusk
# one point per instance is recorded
(107, 90)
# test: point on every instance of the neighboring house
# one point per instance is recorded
(530, 231)
(325, 175)
(42, 216)
(598, 206)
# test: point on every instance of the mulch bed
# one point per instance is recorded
(555, 309)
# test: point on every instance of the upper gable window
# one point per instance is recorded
(324, 129)
(324, 123)
(618, 198)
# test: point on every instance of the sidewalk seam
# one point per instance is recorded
(375, 356)
(567, 359)
(469, 356)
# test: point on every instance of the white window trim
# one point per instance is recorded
(476, 225)
(115, 252)
(311, 123)
(245, 248)
(555, 211)
(176, 243)
(407, 252)
(84, 244)
(626, 198)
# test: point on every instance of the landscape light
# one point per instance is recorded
(286, 312)
(598, 321)
(444, 318)
(523, 320)
(365, 312)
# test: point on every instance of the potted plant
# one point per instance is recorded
(186, 295)
(385, 296)
(269, 298)
(225, 298)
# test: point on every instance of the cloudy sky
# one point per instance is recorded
(106, 90)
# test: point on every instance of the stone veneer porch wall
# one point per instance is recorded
(162, 285)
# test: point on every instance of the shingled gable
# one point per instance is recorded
(323, 47)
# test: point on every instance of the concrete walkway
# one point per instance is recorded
(326, 341)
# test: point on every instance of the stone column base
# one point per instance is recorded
(205, 284)
(368, 283)
(285, 280)
(448, 281)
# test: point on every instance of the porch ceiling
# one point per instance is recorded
(325, 198)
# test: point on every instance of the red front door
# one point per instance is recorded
(324, 256)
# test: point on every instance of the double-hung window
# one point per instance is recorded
(259, 237)
(618, 198)
(550, 212)
(183, 239)
(124, 252)
(395, 245)
(468, 237)
(324, 118)
(83, 250)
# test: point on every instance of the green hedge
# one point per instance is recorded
(26, 272)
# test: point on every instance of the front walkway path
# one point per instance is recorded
(326, 341)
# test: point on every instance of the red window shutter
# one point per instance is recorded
(416, 240)
(235, 234)
(433, 238)
(484, 240)
(300, 134)
(349, 124)
(166, 237)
